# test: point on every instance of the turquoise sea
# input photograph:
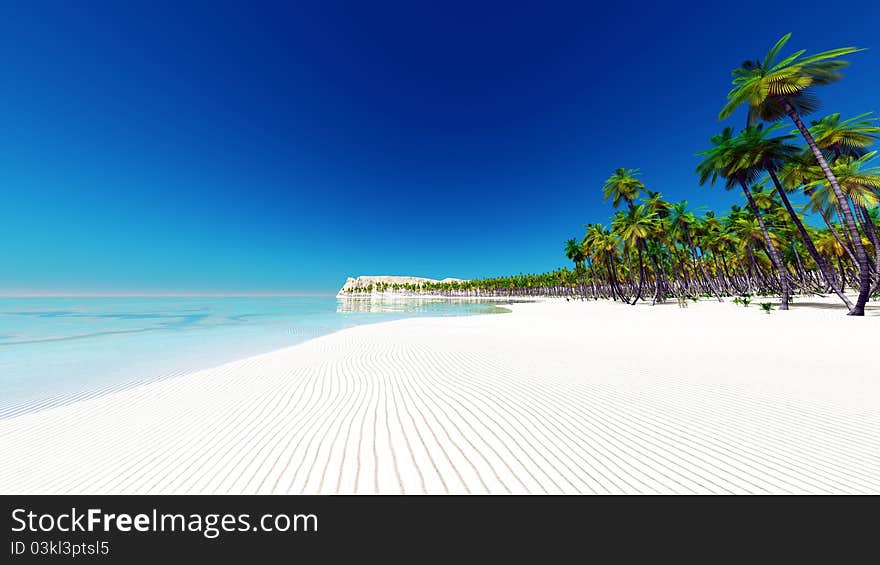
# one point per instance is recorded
(57, 349)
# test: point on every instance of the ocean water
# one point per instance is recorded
(58, 349)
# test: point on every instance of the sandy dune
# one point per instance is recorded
(552, 398)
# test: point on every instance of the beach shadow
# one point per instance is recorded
(871, 309)
(818, 305)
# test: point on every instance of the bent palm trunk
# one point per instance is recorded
(641, 273)
(808, 242)
(847, 215)
(771, 249)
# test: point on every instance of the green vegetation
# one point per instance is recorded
(562, 282)
(663, 250)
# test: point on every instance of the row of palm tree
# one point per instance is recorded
(561, 282)
(774, 89)
(833, 170)
(658, 250)
(662, 250)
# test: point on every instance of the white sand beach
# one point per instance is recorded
(554, 397)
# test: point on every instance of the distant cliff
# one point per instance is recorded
(360, 284)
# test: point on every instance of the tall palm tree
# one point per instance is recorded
(601, 245)
(758, 148)
(658, 207)
(873, 218)
(655, 245)
(801, 172)
(623, 185)
(633, 228)
(728, 158)
(775, 89)
(850, 139)
(575, 253)
(861, 183)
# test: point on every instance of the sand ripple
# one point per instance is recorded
(553, 398)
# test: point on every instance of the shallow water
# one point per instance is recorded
(55, 349)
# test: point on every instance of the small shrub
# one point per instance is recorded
(767, 307)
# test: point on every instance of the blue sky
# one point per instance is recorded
(259, 147)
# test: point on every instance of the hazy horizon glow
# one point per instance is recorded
(217, 148)
(156, 294)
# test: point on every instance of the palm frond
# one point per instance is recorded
(774, 51)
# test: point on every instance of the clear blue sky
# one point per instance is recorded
(258, 147)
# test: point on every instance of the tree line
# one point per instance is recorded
(657, 250)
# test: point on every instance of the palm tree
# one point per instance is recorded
(601, 245)
(623, 185)
(728, 158)
(850, 139)
(682, 223)
(659, 209)
(861, 183)
(633, 228)
(801, 172)
(873, 219)
(775, 89)
(575, 253)
(758, 148)
(845, 138)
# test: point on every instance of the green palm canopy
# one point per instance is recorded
(767, 84)
(623, 185)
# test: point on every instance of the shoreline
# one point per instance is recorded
(555, 397)
(399, 296)
(171, 368)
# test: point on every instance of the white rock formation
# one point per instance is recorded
(364, 281)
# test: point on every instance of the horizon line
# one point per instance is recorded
(147, 294)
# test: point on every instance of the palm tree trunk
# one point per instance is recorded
(709, 282)
(846, 235)
(609, 266)
(836, 235)
(677, 283)
(668, 283)
(848, 220)
(730, 279)
(760, 279)
(641, 272)
(658, 280)
(842, 271)
(808, 241)
(799, 265)
(771, 249)
(871, 232)
(742, 268)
